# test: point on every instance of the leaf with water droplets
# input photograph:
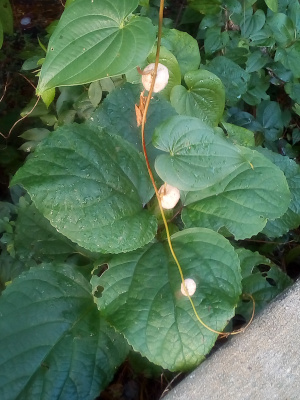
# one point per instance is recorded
(228, 185)
(142, 296)
(95, 39)
(91, 186)
(204, 98)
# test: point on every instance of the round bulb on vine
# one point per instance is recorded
(161, 80)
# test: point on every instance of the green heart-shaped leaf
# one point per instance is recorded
(93, 40)
(92, 188)
(184, 47)
(204, 98)
(142, 296)
(229, 185)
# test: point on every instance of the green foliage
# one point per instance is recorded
(260, 277)
(50, 325)
(6, 19)
(224, 131)
(100, 209)
(203, 97)
(93, 42)
(144, 287)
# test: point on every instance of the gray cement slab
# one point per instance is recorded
(263, 363)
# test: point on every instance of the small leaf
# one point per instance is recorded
(91, 187)
(256, 61)
(53, 342)
(252, 22)
(282, 28)
(234, 77)
(215, 39)
(48, 96)
(36, 134)
(6, 17)
(270, 116)
(95, 93)
(290, 58)
(205, 6)
(204, 97)
(273, 5)
(142, 297)
(239, 135)
(184, 47)
(94, 40)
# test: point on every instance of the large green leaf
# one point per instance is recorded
(92, 187)
(142, 297)
(197, 157)
(204, 97)
(243, 202)
(184, 47)
(261, 278)
(53, 342)
(93, 40)
(231, 186)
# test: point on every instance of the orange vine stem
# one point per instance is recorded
(154, 74)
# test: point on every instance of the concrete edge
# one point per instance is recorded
(261, 363)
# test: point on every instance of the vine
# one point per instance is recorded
(144, 119)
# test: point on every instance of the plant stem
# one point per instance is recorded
(160, 23)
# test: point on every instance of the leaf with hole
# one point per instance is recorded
(262, 279)
(142, 297)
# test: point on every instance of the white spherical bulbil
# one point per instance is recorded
(190, 285)
(169, 196)
(161, 80)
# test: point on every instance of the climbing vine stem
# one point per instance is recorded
(144, 118)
